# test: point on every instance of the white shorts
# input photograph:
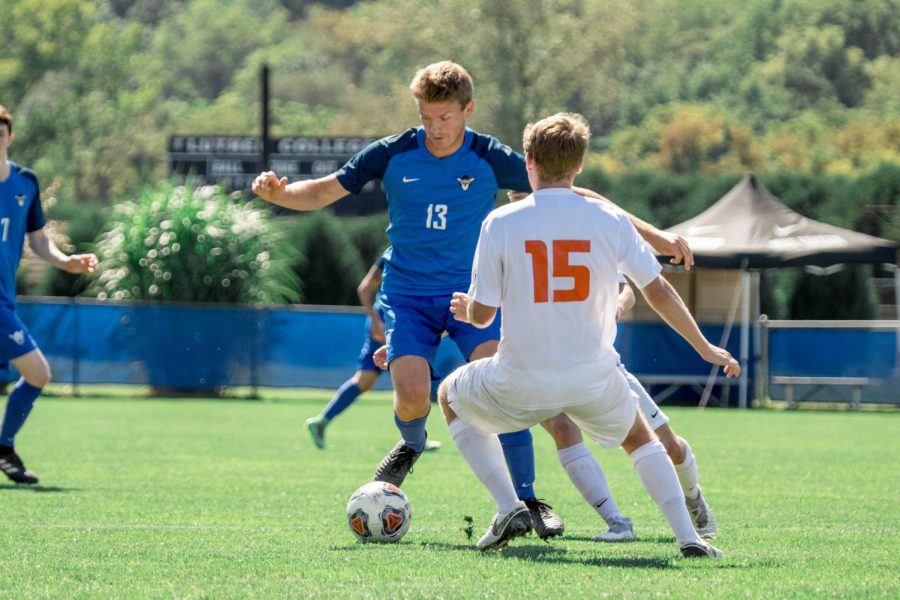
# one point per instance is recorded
(607, 419)
(652, 414)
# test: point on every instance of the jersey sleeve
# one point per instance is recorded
(508, 166)
(487, 267)
(366, 165)
(35, 219)
(636, 259)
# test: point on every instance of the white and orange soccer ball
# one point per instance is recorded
(378, 512)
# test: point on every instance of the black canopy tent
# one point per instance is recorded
(749, 228)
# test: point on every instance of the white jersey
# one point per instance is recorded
(551, 262)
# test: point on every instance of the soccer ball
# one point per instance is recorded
(378, 512)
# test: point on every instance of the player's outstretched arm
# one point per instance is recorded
(43, 246)
(663, 298)
(311, 194)
(468, 310)
(664, 242)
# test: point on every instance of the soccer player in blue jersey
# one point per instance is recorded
(21, 214)
(441, 180)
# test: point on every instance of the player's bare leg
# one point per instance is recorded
(686, 468)
(587, 476)
(411, 376)
(658, 476)
(35, 375)
(485, 457)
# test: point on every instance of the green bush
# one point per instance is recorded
(195, 245)
(332, 267)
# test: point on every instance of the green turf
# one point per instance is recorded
(229, 498)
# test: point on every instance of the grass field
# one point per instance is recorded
(222, 499)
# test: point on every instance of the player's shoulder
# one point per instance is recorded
(511, 211)
(394, 144)
(485, 145)
(23, 172)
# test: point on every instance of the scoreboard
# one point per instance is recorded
(234, 161)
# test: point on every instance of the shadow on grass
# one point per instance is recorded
(37, 489)
(657, 539)
(546, 553)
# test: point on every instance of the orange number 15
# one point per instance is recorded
(580, 274)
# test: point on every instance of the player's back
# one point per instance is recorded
(559, 255)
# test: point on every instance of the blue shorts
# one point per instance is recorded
(413, 326)
(15, 341)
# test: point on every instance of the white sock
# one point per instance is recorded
(658, 476)
(588, 477)
(485, 457)
(687, 473)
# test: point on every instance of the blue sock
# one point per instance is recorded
(21, 401)
(342, 398)
(518, 448)
(413, 432)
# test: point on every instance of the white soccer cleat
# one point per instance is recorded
(504, 527)
(702, 516)
(701, 549)
(620, 530)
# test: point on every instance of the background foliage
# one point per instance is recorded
(683, 96)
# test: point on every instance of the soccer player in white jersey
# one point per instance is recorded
(551, 262)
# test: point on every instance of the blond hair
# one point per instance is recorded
(6, 117)
(557, 145)
(443, 81)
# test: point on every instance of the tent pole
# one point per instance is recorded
(745, 334)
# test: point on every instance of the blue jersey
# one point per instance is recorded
(435, 205)
(20, 213)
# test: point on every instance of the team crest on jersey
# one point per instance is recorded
(18, 337)
(465, 181)
(20, 198)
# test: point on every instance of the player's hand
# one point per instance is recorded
(81, 264)
(268, 186)
(376, 330)
(515, 196)
(380, 358)
(723, 358)
(674, 245)
(459, 306)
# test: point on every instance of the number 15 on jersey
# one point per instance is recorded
(541, 269)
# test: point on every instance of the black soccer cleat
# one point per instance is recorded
(546, 523)
(394, 467)
(13, 467)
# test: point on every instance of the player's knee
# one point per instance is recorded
(674, 448)
(564, 431)
(673, 444)
(39, 378)
(365, 380)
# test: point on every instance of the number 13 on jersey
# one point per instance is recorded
(540, 266)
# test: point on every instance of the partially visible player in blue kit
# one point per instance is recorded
(441, 180)
(20, 215)
(366, 371)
